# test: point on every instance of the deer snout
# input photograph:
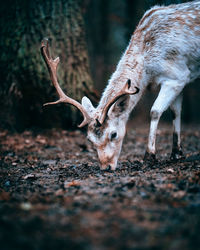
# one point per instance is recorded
(108, 155)
(108, 163)
(108, 167)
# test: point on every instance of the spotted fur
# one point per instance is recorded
(165, 50)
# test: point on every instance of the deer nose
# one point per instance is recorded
(108, 168)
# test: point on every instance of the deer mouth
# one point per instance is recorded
(107, 166)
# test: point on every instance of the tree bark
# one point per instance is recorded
(25, 80)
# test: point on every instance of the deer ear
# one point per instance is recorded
(86, 103)
(119, 107)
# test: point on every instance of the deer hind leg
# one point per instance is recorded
(168, 93)
(176, 147)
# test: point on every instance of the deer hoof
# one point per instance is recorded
(150, 157)
(176, 154)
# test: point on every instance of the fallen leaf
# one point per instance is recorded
(71, 184)
(4, 196)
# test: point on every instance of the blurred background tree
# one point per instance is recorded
(101, 27)
(25, 83)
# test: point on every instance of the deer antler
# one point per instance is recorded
(52, 65)
(124, 91)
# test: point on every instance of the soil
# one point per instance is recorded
(53, 194)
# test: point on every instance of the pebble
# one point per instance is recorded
(170, 170)
(7, 183)
(143, 194)
(49, 162)
(26, 206)
(29, 176)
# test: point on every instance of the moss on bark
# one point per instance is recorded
(25, 83)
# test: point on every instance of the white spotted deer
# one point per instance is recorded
(165, 50)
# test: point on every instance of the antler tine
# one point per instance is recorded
(124, 91)
(52, 65)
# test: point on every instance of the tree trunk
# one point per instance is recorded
(24, 76)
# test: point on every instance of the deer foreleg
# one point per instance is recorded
(176, 109)
(168, 93)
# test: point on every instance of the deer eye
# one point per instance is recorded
(113, 135)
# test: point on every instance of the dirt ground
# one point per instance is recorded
(53, 194)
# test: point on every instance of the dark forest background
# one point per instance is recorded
(90, 37)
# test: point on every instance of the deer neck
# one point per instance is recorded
(131, 66)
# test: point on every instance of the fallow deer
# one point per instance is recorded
(165, 50)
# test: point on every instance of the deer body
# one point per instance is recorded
(165, 50)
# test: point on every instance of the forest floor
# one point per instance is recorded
(53, 194)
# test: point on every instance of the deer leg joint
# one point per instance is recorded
(154, 115)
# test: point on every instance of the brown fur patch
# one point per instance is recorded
(106, 141)
(149, 14)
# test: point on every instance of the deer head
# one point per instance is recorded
(106, 125)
